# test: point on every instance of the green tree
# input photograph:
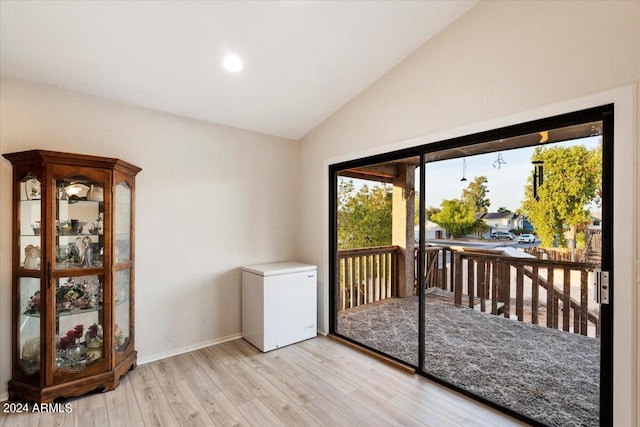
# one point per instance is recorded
(456, 217)
(364, 216)
(345, 192)
(502, 209)
(427, 212)
(480, 227)
(572, 181)
(475, 195)
(430, 212)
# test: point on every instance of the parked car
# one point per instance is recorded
(502, 235)
(526, 238)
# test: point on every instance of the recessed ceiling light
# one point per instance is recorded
(232, 63)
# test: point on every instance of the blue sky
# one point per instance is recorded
(505, 184)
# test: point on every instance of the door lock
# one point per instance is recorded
(601, 286)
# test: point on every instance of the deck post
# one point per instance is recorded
(403, 226)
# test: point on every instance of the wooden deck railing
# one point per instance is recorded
(591, 252)
(551, 293)
(367, 275)
(438, 268)
(554, 294)
(554, 254)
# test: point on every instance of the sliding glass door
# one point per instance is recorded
(511, 314)
(375, 300)
(494, 278)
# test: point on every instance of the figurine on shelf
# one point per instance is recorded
(88, 252)
(100, 223)
(32, 257)
(33, 189)
(93, 228)
(93, 339)
(119, 336)
(80, 248)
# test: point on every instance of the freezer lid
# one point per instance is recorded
(278, 268)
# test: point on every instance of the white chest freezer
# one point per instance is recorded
(279, 304)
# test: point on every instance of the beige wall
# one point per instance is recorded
(209, 200)
(501, 63)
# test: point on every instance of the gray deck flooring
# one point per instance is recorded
(548, 375)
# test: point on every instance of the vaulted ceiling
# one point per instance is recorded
(303, 60)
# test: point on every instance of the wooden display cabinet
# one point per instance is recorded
(73, 274)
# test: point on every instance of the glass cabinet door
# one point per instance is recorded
(29, 324)
(29, 212)
(29, 283)
(79, 222)
(79, 277)
(79, 321)
(122, 326)
(122, 256)
(122, 223)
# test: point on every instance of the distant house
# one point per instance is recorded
(527, 225)
(490, 228)
(596, 221)
(432, 232)
(504, 221)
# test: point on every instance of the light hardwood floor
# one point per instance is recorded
(319, 382)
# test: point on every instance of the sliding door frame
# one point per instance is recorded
(604, 113)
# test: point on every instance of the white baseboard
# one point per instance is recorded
(175, 352)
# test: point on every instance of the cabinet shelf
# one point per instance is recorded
(70, 268)
(65, 251)
(81, 202)
(75, 311)
(73, 366)
(73, 235)
(68, 312)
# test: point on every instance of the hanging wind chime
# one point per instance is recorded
(538, 179)
(499, 161)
